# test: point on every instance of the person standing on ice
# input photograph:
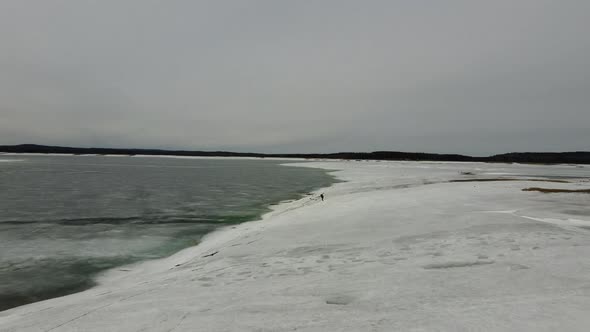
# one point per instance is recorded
(322, 196)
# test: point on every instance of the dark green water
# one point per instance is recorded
(65, 218)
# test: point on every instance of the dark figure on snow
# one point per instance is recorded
(322, 197)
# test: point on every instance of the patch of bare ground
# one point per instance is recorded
(552, 191)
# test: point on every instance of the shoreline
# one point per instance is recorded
(222, 234)
(396, 247)
(215, 238)
(89, 279)
(530, 157)
(12, 154)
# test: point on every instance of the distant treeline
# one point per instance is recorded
(524, 157)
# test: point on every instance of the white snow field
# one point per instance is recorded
(395, 248)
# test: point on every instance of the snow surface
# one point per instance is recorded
(395, 248)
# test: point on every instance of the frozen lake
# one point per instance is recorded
(65, 218)
(400, 246)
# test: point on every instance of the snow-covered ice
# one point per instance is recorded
(395, 248)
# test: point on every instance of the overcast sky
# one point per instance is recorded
(473, 77)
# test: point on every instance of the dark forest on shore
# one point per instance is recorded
(579, 157)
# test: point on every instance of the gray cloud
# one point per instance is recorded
(474, 77)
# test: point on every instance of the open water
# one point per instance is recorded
(63, 219)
